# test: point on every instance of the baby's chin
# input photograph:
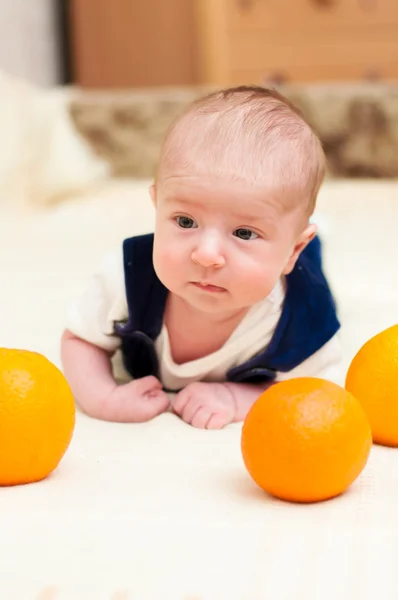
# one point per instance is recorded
(218, 307)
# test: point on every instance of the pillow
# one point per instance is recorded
(43, 158)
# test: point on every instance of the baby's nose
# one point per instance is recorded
(208, 252)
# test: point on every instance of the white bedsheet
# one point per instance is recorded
(164, 511)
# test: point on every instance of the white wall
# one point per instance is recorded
(28, 40)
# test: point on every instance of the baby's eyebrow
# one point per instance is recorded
(175, 199)
(253, 218)
(181, 200)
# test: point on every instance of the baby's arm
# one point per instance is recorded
(88, 344)
(88, 370)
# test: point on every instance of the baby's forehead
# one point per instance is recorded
(224, 145)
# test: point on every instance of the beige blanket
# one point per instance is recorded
(164, 511)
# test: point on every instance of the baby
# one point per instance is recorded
(228, 295)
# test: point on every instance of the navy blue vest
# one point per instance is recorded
(307, 322)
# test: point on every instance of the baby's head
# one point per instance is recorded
(238, 166)
(249, 134)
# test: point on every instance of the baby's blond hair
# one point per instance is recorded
(248, 133)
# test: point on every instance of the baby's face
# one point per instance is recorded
(219, 246)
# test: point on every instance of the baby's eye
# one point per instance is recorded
(185, 222)
(245, 234)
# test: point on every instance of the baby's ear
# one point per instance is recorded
(302, 241)
(152, 193)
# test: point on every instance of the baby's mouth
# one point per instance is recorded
(208, 287)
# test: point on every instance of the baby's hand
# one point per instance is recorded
(137, 401)
(206, 405)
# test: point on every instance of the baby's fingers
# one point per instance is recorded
(146, 385)
(154, 403)
(218, 421)
(149, 406)
(180, 401)
(201, 418)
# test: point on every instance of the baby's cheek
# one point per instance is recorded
(167, 263)
(257, 282)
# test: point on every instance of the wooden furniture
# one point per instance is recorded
(130, 43)
(242, 41)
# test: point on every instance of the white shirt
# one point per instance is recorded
(103, 302)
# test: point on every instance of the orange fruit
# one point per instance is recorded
(373, 378)
(37, 416)
(305, 440)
